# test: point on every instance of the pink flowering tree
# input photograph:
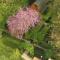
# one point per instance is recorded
(22, 21)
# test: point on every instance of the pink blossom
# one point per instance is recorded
(22, 21)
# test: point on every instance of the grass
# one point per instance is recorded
(12, 48)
